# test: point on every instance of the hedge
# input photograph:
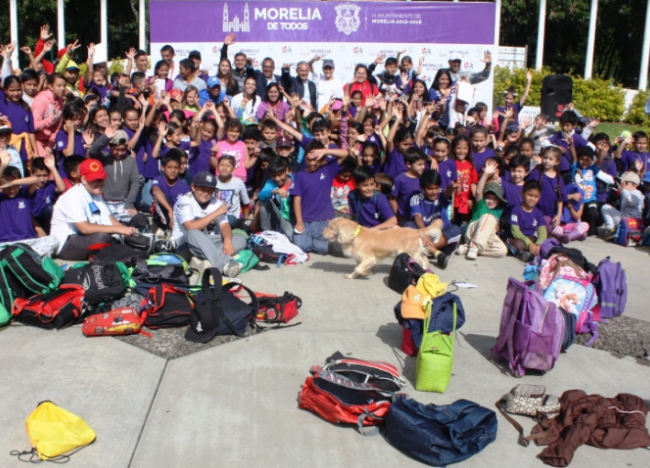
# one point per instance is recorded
(636, 114)
(595, 98)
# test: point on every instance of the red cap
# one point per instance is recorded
(92, 169)
(176, 94)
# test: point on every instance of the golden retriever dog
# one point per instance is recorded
(369, 246)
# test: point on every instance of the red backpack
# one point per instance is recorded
(277, 309)
(58, 309)
(351, 391)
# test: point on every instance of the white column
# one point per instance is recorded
(591, 40)
(141, 24)
(497, 28)
(60, 25)
(103, 26)
(643, 76)
(13, 25)
(541, 30)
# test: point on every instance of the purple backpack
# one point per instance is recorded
(611, 285)
(531, 330)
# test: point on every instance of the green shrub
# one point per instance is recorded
(594, 98)
(116, 66)
(636, 114)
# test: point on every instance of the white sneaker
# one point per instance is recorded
(232, 268)
(472, 253)
(462, 249)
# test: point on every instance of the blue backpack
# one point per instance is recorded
(439, 435)
(629, 232)
(610, 282)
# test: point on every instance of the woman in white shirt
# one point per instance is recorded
(245, 104)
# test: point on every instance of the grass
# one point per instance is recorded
(614, 129)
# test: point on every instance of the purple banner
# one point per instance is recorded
(314, 21)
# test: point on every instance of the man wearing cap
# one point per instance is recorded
(455, 60)
(196, 214)
(326, 85)
(81, 218)
(214, 90)
(123, 178)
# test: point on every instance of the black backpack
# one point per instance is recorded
(157, 274)
(36, 273)
(166, 306)
(119, 253)
(405, 272)
(103, 282)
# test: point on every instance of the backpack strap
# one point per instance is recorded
(523, 440)
(254, 304)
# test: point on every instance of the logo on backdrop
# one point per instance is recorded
(236, 25)
(347, 18)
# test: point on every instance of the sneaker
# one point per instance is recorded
(524, 256)
(232, 268)
(443, 260)
(609, 234)
(462, 249)
(472, 253)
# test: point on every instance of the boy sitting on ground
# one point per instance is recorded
(166, 189)
(71, 168)
(369, 207)
(196, 214)
(274, 198)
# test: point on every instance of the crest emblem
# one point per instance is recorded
(347, 18)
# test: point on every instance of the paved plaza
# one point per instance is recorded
(235, 405)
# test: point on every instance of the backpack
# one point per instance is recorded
(610, 282)
(280, 247)
(559, 265)
(118, 253)
(629, 232)
(36, 273)
(5, 316)
(350, 391)
(157, 272)
(439, 435)
(54, 310)
(277, 309)
(577, 297)
(531, 330)
(166, 306)
(123, 321)
(405, 272)
(102, 282)
(575, 255)
(11, 288)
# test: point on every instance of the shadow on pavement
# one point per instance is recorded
(391, 334)
(483, 344)
(346, 268)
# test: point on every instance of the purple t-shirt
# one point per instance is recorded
(609, 167)
(150, 167)
(62, 143)
(104, 99)
(314, 189)
(448, 172)
(480, 158)
(15, 217)
(172, 192)
(369, 212)
(528, 222)
(558, 140)
(550, 188)
(515, 124)
(185, 145)
(395, 164)
(138, 149)
(22, 120)
(199, 159)
(43, 197)
(513, 193)
(629, 159)
(404, 187)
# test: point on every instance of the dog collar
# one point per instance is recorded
(357, 231)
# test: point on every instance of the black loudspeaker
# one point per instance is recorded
(557, 92)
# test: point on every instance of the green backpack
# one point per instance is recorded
(5, 316)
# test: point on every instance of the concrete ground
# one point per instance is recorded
(236, 405)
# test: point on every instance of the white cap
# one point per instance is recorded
(455, 56)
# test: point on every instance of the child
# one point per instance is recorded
(122, 177)
(429, 209)
(566, 139)
(134, 126)
(342, 185)
(71, 168)
(480, 152)
(10, 150)
(274, 199)
(233, 146)
(640, 153)
(608, 171)
(553, 194)
(16, 221)
(30, 82)
(446, 166)
(190, 99)
(398, 141)
(46, 192)
(48, 110)
(509, 97)
(69, 139)
(312, 204)
(184, 174)
(527, 225)
(231, 190)
(166, 189)
(21, 119)
(465, 189)
(269, 130)
(585, 172)
(632, 203)
(384, 184)
(195, 216)
(513, 186)
(369, 207)
(540, 132)
(407, 184)
(207, 133)
(481, 236)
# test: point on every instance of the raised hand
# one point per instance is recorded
(422, 59)
(91, 48)
(491, 167)
(111, 131)
(49, 161)
(529, 76)
(45, 31)
(487, 57)
(380, 58)
(72, 47)
(131, 53)
(230, 39)
(48, 46)
(26, 50)
(162, 128)
(9, 49)
(5, 159)
(88, 137)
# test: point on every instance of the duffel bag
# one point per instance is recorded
(55, 310)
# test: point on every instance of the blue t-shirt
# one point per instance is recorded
(314, 190)
(395, 164)
(369, 212)
(43, 197)
(528, 222)
(16, 217)
(448, 172)
(404, 187)
(429, 210)
(480, 158)
(586, 180)
(172, 192)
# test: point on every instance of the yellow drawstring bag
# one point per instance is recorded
(54, 431)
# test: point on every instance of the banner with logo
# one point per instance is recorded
(346, 32)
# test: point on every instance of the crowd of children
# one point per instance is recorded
(251, 149)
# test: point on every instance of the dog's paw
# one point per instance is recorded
(350, 276)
